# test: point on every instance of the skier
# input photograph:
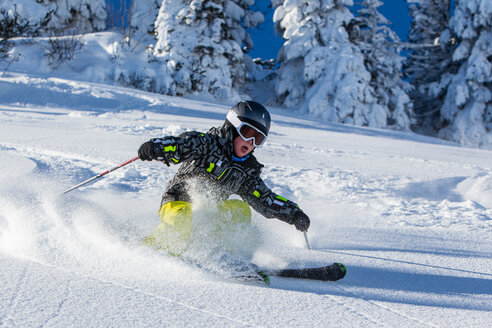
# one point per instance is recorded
(218, 163)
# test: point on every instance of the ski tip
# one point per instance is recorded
(342, 267)
(342, 271)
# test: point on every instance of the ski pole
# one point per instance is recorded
(307, 241)
(100, 175)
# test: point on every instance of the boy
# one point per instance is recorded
(218, 163)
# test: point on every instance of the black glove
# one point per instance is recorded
(149, 151)
(301, 221)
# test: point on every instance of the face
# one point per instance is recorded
(241, 147)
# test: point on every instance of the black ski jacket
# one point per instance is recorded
(208, 169)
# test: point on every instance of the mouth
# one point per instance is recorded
(245, 149)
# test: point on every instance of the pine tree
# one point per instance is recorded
(377, 42)
(199, 45)
(467, 110)
(321, 71)
(429, 60)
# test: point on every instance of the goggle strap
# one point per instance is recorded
(233, 119)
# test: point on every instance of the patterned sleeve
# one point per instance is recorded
(268, 203)
(185, 148)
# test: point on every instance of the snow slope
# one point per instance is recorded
(410, 216)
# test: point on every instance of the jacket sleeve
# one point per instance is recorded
(184, 148)
(267, 203)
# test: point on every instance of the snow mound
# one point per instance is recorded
(478, 189)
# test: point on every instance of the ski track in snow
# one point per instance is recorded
(153, 295)
(67, 291)
(12, 301)
(410, 217)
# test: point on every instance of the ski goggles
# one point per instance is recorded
(247, 131)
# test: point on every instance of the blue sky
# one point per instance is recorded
(267, 44)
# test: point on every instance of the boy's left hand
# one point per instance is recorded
(301, 221)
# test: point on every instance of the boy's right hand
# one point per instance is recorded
(147, 151)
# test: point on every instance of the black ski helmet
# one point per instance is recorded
(253, 113)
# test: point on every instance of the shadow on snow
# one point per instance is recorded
(388, 285)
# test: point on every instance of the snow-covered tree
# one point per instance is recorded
(321, 71)
(199, 45)
(467, 109)
(372, 33)
(20, 18)
(80, 16)
(143, 15)
(138, 33)
(429, 60)
(23, 17)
